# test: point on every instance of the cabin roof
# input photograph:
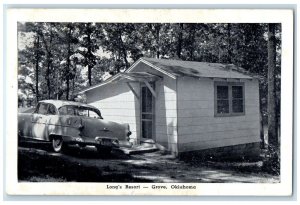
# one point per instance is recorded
(198, 69)
(179, 68)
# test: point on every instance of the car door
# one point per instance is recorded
(52, 122)
(39, 121)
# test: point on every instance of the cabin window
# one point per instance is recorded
(229, 99)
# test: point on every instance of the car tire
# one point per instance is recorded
(57, 144)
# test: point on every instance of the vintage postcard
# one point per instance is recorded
(149, 102)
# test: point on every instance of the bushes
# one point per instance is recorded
(271, 163)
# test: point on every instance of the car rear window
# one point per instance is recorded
(79, 111)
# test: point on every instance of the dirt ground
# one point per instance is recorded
(39, 164)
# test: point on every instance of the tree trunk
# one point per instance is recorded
(229, 43)
(73, 88)
(192, 42)
(179, 43)
(68, 65)
(157, 29)
(262, 137)
(90, 74)
(73, 80)
(125, 58)
(57, 85)
(272, 134)
(89, 55)
(49, 62)
(37, 58)
(123, 50)
(48, 79)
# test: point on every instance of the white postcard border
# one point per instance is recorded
(284, 188)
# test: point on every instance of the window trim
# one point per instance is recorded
(229, 84)
(48, 106)
(38, 107)
(97, 111)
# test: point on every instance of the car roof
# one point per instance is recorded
(60, 103)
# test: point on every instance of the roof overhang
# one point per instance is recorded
(152, 66)
(133, 77)
(138, 77)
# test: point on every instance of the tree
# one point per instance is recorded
(102, 47)
(179, 40)
(31, 56)
(50, 39)
(272, 163)
(88, 45)
(123, 41)
(273, 138)
(69, 39)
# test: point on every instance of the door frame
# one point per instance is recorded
(153, 111)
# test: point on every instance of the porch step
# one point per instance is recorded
(139, 149)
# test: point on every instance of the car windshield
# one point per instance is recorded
(79, 111)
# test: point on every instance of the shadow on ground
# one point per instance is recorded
(74, 164)
(36, 163)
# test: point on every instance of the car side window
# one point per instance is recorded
(66, 110)
(51, 110)
(42, 108)
(63, 110)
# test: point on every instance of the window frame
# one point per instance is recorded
(38, 107)
(97, 111)
(230, 99)
(48, 106)
(56, 111)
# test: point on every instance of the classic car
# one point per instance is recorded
(66, 123)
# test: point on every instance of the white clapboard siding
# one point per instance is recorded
(201, 145)
(166, 113)
(191, 121)
(195, 104)
(218, 127)
(198, 128)
(168, 104)
(218, 135)
(117, 103)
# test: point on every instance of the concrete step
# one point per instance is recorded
(139, 149)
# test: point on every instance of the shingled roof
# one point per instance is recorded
(198, 69)
(177, 68)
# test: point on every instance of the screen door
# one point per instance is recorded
(147, 112)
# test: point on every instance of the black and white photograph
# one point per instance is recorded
(151, 102)
(143, 106)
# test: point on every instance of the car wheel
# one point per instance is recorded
(57, 144)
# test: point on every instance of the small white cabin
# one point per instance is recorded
(184, 106)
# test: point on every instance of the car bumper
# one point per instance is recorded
(97, 141)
